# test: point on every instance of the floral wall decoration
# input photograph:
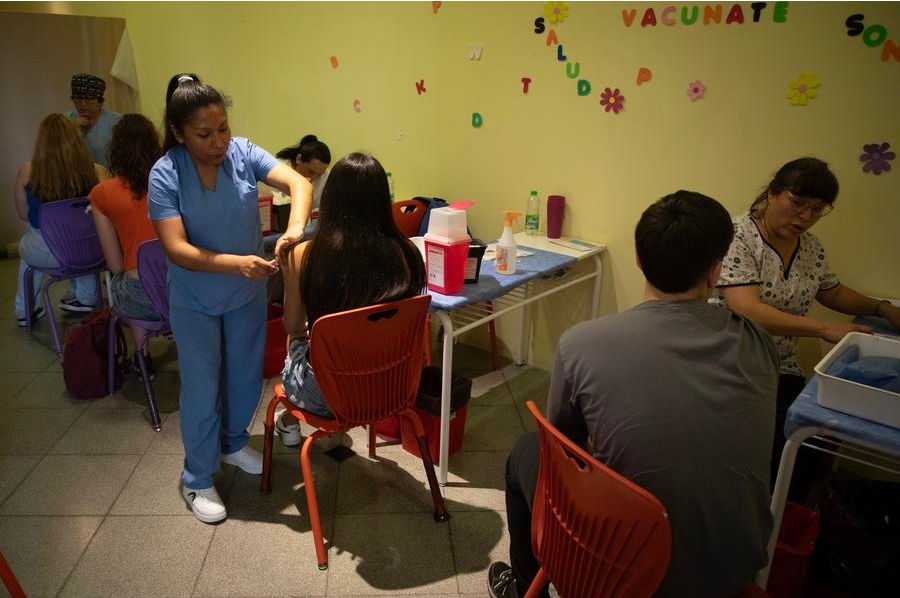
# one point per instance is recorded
(802, 89)
(612, 100)
(556, 12)
(876, 157)
(696, 90)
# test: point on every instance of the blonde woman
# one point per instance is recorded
(61, 168)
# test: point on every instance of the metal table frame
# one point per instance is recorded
(466, 316)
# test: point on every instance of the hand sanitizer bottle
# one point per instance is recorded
(506, 246)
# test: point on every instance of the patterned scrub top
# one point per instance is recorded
(752, 261)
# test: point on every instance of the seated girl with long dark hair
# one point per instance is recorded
(356, 258)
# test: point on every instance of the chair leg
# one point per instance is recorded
(311, 502)
(440, 510)
(538, 585)
(372, 440)
(9, 579)
(265, 483)
(428, 341)
(29, 298)
(148, 384)
(51, 317)
(111, 354)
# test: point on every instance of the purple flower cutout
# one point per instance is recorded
(876, 157)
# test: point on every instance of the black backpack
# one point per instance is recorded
(85, 356)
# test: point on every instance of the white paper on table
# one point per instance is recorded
(490, 252)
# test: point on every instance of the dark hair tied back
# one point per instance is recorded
(309, 148)
(184, 96)
(804, 177)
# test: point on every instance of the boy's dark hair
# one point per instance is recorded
(679, 237)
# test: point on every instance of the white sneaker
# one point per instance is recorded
(290, 435)
(247, 459)
(205, 503)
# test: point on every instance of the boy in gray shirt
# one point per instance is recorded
(676, 394)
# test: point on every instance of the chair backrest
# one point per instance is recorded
(408, 215)
(594, 532)
(368, 361)
(152, 270)
(68, 229)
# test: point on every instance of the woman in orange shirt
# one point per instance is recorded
(120, 213)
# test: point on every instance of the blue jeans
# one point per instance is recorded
(131, 298)
(33, 251)
(299, 380)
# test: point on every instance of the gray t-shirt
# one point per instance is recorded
(679, 397)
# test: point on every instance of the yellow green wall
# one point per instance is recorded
(273, 60)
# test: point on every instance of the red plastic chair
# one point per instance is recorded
(9, 579)
(594, 532)
(69, 231)
(408, 215)
(368, 362)
(152, 271)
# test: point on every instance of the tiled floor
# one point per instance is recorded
(90, 502)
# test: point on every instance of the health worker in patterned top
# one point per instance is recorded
(203, 201)
(775, 268)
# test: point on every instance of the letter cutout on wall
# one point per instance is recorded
(539, 25)
(644, 75)
(570, 72)
(628, 16)
(735, 15)
(475, 51)
(334, 61)
(584, 87)
(420, 86)
(526, 81)
(551, 37)
(559, 53)
(435, 6)
(356, 106)
(477, 120)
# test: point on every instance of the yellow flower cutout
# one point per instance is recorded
(802, 89)
(556, 12)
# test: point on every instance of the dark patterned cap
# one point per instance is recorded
(87, 86)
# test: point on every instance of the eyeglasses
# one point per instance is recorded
(801, 204)
(78, 100)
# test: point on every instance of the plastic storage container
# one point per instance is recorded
(276, 343)
(868, 402)
(793, 552)
(428, 407)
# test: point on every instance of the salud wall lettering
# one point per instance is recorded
(707, 14)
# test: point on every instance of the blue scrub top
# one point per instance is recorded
(224, 221)
(98, 138)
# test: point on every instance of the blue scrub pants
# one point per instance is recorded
(220, 360)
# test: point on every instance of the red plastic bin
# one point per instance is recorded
(793, 552)
(432, 427)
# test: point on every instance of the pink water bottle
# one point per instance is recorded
(556, 205)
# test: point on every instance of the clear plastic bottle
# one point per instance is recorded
(390, 179)
(506, 247)
(532, 213)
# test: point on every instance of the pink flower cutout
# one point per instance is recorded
(612, 100)
(876, 157)
(696, 90)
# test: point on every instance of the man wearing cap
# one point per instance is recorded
(95, 122)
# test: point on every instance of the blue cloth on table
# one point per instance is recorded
(876, 371)
(878, 325)
(806, 411)
(492, 285)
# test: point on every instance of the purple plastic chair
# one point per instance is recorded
(68, 229)
(152, 269)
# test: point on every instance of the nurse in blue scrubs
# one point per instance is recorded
(203, 204)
